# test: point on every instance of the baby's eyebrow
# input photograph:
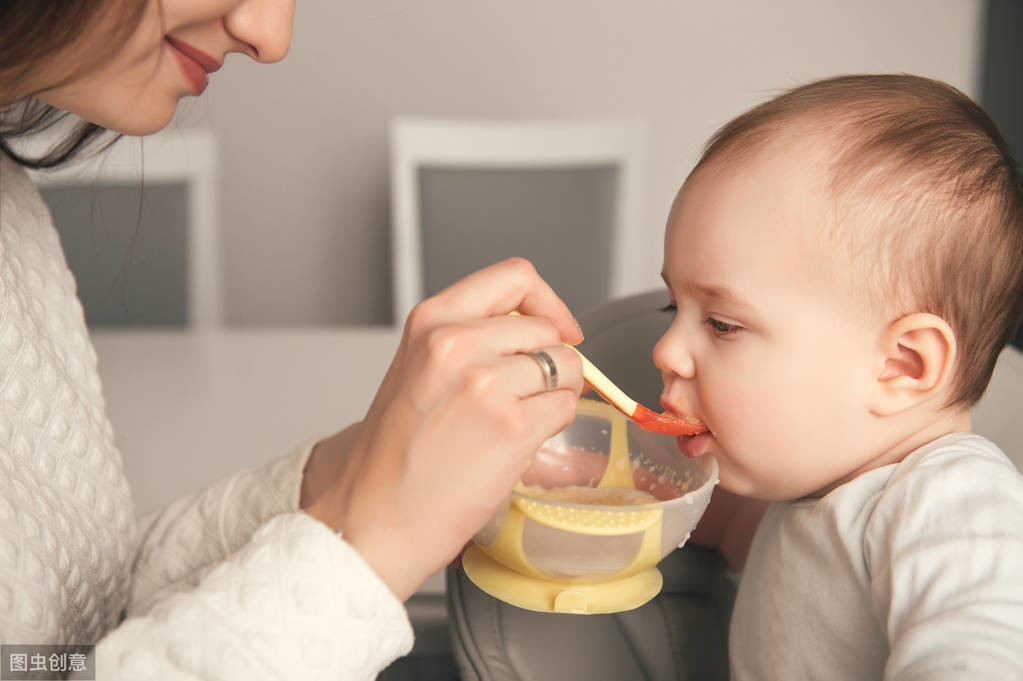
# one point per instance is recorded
(722, 293)
(712, 292)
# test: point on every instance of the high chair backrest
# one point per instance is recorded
(997, 415)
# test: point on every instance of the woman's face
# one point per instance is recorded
(171, 54)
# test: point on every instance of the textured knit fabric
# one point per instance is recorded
(232, 582)
(910, 571)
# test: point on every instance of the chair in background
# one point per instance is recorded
(683, 632)
(566, 194)
(138, 223)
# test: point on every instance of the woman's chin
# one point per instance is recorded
(146, 126)
(141, 121)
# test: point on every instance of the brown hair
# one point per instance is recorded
(934, 194)
(31, 31)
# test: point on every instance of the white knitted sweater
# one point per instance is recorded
(232, 582)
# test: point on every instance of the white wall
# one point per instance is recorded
(304, 143)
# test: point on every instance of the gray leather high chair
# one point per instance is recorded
(681, 634)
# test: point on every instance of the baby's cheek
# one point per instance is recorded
(753, 427)
(745, 404)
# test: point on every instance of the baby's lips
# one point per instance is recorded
(690, 425)
(677, 412)
(685, 417)
(666, 423)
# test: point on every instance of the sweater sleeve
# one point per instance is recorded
(944, 548)
(179, 544)
(295, 602)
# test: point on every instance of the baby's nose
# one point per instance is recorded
(673, 357)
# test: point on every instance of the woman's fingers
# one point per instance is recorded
(550, 413)
(524, 375)
(501, 335)
(449, 355)
(497, 290)
(521, 375)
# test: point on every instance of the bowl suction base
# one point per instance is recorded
(541, 595)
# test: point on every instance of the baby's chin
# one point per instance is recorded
(760, 488)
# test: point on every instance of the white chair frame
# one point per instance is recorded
(418, 142)
(188, 156)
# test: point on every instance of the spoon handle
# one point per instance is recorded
(645, 418)
(603, 385)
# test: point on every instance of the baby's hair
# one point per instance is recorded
(927, 202)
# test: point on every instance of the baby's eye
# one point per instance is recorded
(670, 307)
(720, 328)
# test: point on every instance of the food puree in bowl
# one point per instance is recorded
(593, 496)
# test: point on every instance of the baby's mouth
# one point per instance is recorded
(694, 445)
(679, 411)
(691, 445)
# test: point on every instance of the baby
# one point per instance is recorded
(845, 264)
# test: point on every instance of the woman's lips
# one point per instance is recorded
(195, 64)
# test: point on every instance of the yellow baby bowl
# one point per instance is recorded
(603, 502)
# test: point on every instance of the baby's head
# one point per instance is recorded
(847, 263)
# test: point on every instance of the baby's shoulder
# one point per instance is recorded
(957, 460)
(960, 484)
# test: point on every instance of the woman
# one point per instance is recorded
(234, 581)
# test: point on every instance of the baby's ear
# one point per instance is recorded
(917, 356)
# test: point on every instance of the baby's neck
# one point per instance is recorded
(914, 435)
(944, 422)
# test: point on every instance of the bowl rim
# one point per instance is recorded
(711, 481)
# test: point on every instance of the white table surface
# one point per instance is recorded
(190, 407)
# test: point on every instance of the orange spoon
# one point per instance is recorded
(645, 418)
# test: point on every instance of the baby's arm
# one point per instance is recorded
(944, 549)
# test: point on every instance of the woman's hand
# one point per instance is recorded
(454, 425)
(324, 463)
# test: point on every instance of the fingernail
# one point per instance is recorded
(578, 327)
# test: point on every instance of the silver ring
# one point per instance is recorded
(548, 367)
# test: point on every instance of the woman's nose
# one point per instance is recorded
(673, 355)
(264, 26)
